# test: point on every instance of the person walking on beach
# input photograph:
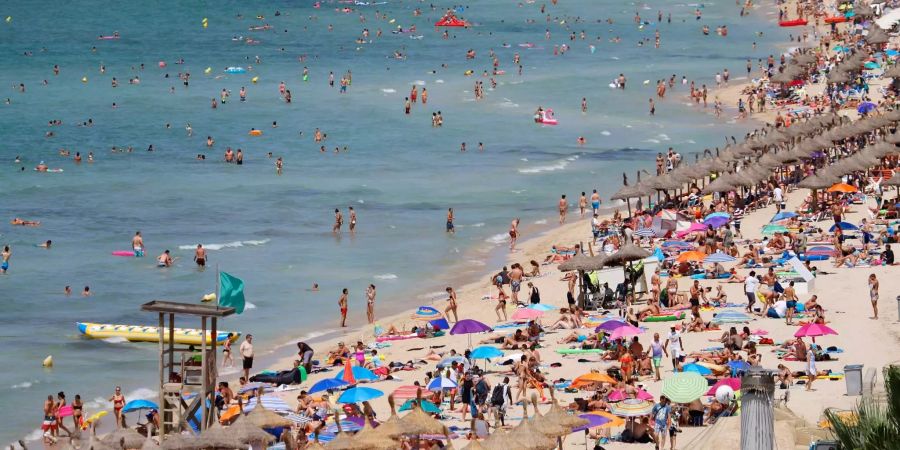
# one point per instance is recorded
(247, 355)
(516, 275)
(118, 401)
(227, 359)
(370, 303)
(501, 302)
(582, 204)
(450, 227)
(563, 209)
(342, 304)
(811, 373)
(750, 286)
(873, 294)
(656, 353)
(674, 348)
(338, 221)
(200, 256)
(595, 202)
(513, 234)
(662, 422)
(451, 306)
(137, 244)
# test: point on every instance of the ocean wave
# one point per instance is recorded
(439, 81)
(248, 305)
(24, 384)
(561, 165)
(433, 295)
(663, 136)
(477, 225)
(652, 141)
(389, 91)
(234, 244)
(497, 238)
(605, 133)
(115, 340)
(419, 82)
(540, 222)
(477, 262)
(386, 276)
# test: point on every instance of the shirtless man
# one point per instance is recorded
(352, 220)
(655, 285)
(515, 281)
(49, 425)
(137, 244)
(595, 201)
(451, 306)
(342, 304)
(200, 256)
(563, 209)
(338, 221)
(164, 260)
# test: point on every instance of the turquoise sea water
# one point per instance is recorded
(400, 174)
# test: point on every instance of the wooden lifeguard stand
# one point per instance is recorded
(178, 376)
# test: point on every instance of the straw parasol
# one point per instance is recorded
(529, 437)
(149, 444)
(219, 437)
(817, 181)
(248, 433)
(344, 440)
(474, 445)
(500, 440)
(545, 426)
(419, 422)
(132, 438)
(391, 426)
(370, 438)
(178, 442)
(629, 252)
(558, 415)
(266, 418)
(627, 192)
(892, 181)
(585, 263)
(721, 184)
(892, 72)
(882, 149)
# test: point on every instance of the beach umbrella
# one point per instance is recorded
(546, 427)
(486, 352)
(718, 257)
(467, 326)
(733, 383)
(431, 315)
(132, 438)
(178, 442)
(729, 316)
(629, 252)
(253, 387)
(149, 444)
(541, 307)
(137, 405)
(618, 395)
(645, 232)
(715, 222)
(297, 419)
(449, 360)
(347, 425)
(844, 226)
(263, 417)
(370, 438)
(359, 373)
(842, 187)
(429, 407)
(865, 107)
(251, 434)
(404, 392)
(530, 437)
(591, 378)
(594, 421)
(526, 314)
(684, 387)
(628, 192)
(583, 263)
(738, 366)
(813, 330)
(692, 255)
(631, 408)
(269, 402)
(675, 245)
(440, 383)
(474, 444)
(769, 230)
(624, 332)
(696, 368)
(326, 384)
(610, 325)
(216, 437)
(783, 215)
(359, 394)
(560, 416)
(817, 181)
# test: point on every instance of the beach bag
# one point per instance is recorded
(497, 395)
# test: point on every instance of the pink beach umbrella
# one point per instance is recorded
(619, 394)
(624, 332)
(526, 314)
(733, 383)
(814, 329)
(759, 332)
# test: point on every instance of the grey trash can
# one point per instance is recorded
(853, 378)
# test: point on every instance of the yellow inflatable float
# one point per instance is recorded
(137, 333)
(255, 132)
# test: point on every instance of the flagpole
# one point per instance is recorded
(218, 277)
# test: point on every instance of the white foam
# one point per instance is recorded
(652, 141)
(497, 238)
(477, 225)
(115, 340)
(434, 295)
(517, 191)
(477, 262)
(360, 201)
(24, 384)
(605, 133)
(690, 141)
(388, 91)
(561, 165)
(248, 305)
(439, 81)
(419, 82)
(663, 136)
(540, 222)
(235, 244)
(386, 276)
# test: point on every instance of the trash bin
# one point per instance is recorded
(853, 378)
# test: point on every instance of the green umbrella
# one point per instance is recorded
(684, 387)
(769, 230)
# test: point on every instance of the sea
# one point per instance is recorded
(273, 231)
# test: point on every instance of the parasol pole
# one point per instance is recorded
(218, 278)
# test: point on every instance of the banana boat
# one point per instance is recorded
(138, 333)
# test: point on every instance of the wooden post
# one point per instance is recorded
(204, 385)
(213, 374)
(162, 376)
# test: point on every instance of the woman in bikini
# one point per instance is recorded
(513, 234)
(118, 403)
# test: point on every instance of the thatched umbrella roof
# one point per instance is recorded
(864, 11)
(219, 437)
(418, 421)
(581, 262)
(893, 71)
(893, 181)
(530, 437)
(178, 442)
(266, 418)
(100, 445)
(149, 444)
(500, 440)
(817, 181)
(721, 184)
(881, 150)
(544, 426)
(391, 426)
(628, 252)
(249, 433)
(558, 415)
(343, 441)
(876, 35)
(628, 192)
(474, 445)
(663, 182)
(132, 438)
(370, 438)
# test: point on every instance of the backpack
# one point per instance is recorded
(481, 392)
(497, 395)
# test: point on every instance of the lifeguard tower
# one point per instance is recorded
(187, 381)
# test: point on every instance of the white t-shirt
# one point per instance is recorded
(780, 308)
(595, 224)
(674, 344)
(750, 285)
(778, 194)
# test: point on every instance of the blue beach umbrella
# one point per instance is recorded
(137, 405)
(440, 383)
(446, 362)
(269, 402)
(783, 215)
(427, 406)
(359, 373)
(359, 394)
(716, 214)
(737, 366)
(486, 352)
(692, 367)
(718, 257)
(645, 232)
(326, 384)
(845, 226)
(865, 107)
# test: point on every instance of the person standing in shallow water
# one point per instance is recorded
(563, 209)
(450, 227)
(342, 304)
(370, 303)
(338, 221)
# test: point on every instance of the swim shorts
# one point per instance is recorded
(657, 361)
(516, 285)
(595, 205)
(248, 363)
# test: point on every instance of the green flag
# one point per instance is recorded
(231, 292)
